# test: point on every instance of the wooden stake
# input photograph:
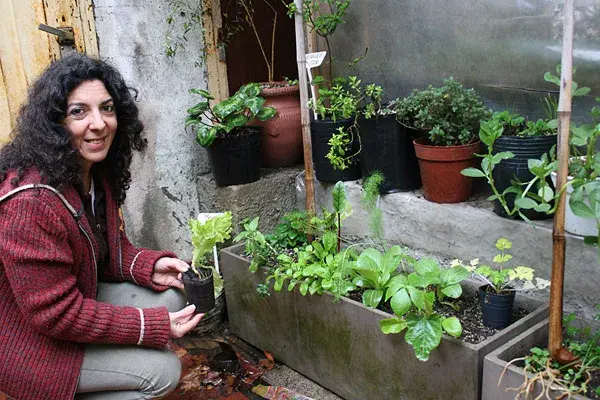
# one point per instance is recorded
(558, 232)
(305, 116)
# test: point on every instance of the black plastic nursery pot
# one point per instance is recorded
(496, 308)
(516, 169)
(199, 291)
(321, 132)
(387, 147)
(236, 159)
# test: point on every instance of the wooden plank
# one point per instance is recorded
(5, 117)
(11, 59)
(88, 27)
(34, 43)
(215, 67)
(78, 15)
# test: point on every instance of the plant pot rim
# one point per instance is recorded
(329, 120)
(284, 90)
(445, 153)
(249, 130)
(483, 288)
(422, 142)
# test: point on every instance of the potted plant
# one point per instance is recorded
(525, 140)
(335, 139)
(386, 145)
(233, 146)
(282, 135)
(448, 118)
(202, 282)
(583, 211)
(497, 296)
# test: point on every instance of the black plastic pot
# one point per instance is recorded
(387, 147)
(321, 132)
(236, 160)
(199, 291)
(496, 308)
(516, 168)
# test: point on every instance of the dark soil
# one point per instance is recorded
(594, 383)
(468, 312)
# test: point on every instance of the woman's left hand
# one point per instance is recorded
(167, 272)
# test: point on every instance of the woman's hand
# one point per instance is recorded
(183, 321)
(167, 272)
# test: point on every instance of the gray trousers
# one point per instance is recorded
(124, 372)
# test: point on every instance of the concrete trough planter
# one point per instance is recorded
(339, 345)
(496, 361)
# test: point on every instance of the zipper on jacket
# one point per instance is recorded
(93, 254)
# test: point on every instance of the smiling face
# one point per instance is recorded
(92, 121)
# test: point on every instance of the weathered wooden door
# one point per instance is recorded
(25, 51)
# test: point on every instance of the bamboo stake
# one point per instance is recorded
(305, 117)
(558, 232)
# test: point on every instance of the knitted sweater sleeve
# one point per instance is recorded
(38, 258)
(138, 264)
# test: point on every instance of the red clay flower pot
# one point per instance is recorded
(440, 171)
(282, 134)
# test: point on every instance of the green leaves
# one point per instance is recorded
(227, 116)
(401, 302)
(339, 197)
(452, 326)
(202, 93)
(423, 334)
(228, 106)
(392, 325)
(205, 235)
(472, 172)
(371, 297)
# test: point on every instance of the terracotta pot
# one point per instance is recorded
(440, 171)
(282, 135)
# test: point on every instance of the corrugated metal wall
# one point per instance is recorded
(500, 47)
(25, 51)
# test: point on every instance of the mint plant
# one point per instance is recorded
(412, 298)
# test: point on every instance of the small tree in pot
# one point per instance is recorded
(202, 282)
(448, 118)
(233, 146)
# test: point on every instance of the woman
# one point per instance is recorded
(62, 178)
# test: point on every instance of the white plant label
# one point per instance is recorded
(203, 217)
(315, 59)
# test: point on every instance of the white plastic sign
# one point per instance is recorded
(315, 59)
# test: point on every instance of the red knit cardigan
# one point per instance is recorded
(48, 283)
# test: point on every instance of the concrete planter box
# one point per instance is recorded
(496, 361)
(339, 345)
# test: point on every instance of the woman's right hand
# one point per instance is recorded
(183, 321)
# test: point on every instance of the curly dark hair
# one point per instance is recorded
(40, 140)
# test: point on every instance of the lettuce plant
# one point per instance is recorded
(205, 235)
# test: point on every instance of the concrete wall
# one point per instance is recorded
(163, 193)
(500, 47)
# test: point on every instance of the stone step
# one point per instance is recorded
(469, 230)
